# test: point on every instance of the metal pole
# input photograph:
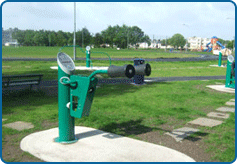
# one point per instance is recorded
(88, 60)
(82, 38)
(74, 40)
(65, 120)
(234, 45)
(127, 39)
(220, 59)
(187, 45)
(165, 43)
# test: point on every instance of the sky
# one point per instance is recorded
(156, 19)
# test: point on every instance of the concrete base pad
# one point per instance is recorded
(84, 68)
(97, 146)
(223, 66)
(222, 88)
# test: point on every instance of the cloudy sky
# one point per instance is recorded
(158, 19)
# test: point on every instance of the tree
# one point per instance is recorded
(177, 40)
(221, 41)
(86, 36)
(137, 35)
(28, 39)
(61, 40)
(230, 44)
(52, 38)
(19, 35)
(108, 35)
(97, 40)
(38, 39)
(146, 39)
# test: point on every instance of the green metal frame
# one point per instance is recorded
(79, 91)
(220, 59)
(230, 80)
(65, 120)
(88, 56)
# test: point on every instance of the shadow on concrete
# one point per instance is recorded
(132, 127)
(96, 132)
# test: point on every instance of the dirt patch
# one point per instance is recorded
(191, 146)
(48, 125)
(11, 151)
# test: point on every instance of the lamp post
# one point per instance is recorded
(234, 36)
(74, 39)
(184, 24)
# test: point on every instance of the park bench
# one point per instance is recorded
(20, 80)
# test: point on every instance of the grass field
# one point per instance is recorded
(159, 69)
(51, 52)
(129, 111)
(126, 110)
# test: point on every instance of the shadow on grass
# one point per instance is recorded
(120, 89)
(28, 98)
(132, 127)
(31, 98)
(196, 136)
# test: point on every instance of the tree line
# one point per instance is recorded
(119, 36)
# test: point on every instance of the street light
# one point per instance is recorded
(74, 40)
(234, 37)
(184, 24)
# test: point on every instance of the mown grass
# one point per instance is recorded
(159, 69)
(130, 110)
(51, 52)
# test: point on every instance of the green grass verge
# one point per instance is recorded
(51, 52)
(159, 69)
(129, 110)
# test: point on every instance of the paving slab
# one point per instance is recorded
(218, 115)
(226, 109)
(221, 88)
(181, 133)
(231, 103)
(4, 119)
(205, 122)
(97, 146)
(19, 125)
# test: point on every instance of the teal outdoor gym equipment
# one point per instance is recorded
(76, 92)
(220, 59)
(88, 54)
(230, 72)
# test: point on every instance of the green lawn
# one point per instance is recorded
(129, 110)
(51, 52)
(159, 69)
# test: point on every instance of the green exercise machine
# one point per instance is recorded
(230, 72)
(76, 92)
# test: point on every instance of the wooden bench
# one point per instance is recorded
(20, 80)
